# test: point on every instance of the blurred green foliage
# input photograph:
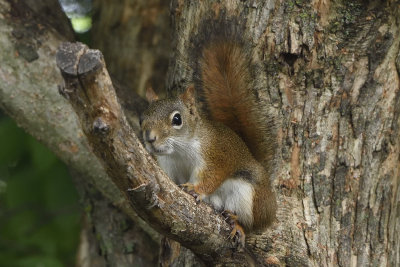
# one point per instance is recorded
(39, 211)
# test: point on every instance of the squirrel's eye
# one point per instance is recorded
(177, 120)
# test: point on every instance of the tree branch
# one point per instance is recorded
(150, 192)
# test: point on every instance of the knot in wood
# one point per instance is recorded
(100, 126)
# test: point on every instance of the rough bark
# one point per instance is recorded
(329, 71)
(135, 39)
(173, 254)
(108, 236)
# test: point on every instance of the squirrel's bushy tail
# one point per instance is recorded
(227, 90)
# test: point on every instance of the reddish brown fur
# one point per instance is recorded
(227, 90)
(224, 152)
(227, 83)
(264, 205)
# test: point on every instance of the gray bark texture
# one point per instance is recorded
(328, 73)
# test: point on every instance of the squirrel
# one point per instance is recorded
(207, 155)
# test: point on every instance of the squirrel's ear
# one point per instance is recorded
(151, 96)
(188, 96)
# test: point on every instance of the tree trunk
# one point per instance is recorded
(108, 236)
(328, 74)
(135, 39)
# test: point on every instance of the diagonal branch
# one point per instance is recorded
(150, 192)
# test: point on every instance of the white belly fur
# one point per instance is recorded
(184, 162)
(235, 195)
(177, 168)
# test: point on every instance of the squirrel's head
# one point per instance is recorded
(169, 124)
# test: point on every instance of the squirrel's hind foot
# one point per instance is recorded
(237, 234)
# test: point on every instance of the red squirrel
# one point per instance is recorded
(214, 156)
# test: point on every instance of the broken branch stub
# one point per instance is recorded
(150, 192)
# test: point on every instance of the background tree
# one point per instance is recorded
(328, 70)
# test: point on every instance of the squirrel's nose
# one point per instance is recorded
(150, 136)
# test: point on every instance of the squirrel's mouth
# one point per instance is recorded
(158, 150)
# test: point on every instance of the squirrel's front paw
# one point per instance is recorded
(191, 190)
(188, 187)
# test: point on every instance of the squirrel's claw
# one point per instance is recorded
(190, 189)
(237, 234)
